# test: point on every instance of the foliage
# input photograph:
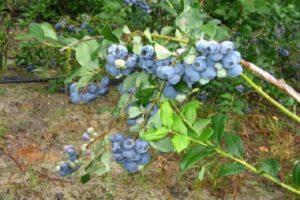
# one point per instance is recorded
(170, 123)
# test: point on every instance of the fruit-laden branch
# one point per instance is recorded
(223, 153)
(252, 67)
(271, 79)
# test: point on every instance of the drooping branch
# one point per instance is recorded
(281, 84)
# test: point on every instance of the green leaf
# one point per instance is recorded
(155, 121)
(153, 135)
(106, 160)
(210, 29)
(144, 95)
(36, 30)
(229, 169)
(189, 20)
(218, 124)
(83, 55)
(130, 81)
(162, 52)
(108, 34)
(201, 173)
(48, 31)
(85, 178)
(190, 110)
(169, 9)
(166, 114)
(123, 100)
(126, 30)
(134, 111)
(195, 155)
(234, 144)
(166, 30)
(200, 124)
(178, 125)
(148, 34)
(270, 166)
(296, 174)
(206, 134)
(137, 44)
(180, 142)
(164, 145)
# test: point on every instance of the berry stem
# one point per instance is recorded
(223, 153)
(270, 99)
(155, 102)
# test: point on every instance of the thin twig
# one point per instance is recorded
(15, 161)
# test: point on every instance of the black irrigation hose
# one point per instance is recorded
(16, 79)
(7, 80)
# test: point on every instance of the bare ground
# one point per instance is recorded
(37, 125)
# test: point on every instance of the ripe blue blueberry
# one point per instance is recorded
(117, 147)
(117, 137)
(226, 47)
(179, 69)
(229, 61)
(145, 158)
(73, 88)
(117, 157)
(175, 79)
(132, 61)
(141, 146)
(111, 59)
(75, 98)
(212, 47)
(192, 73)
(104, 81)
(240, 88)
(58, 26)
(112, 49)
(102, 90)
(148, 65)
(235, 71)
(216, 57)
(86, 137)
(164, 62)
(112, 70)
(128, 153)
(88, 97)
(92, 88)
(147, 52)
(121, 52)
(128, 144)
(201, 46)
(131, 167)
(200, 63)
(169, 92)
(72, 156)
(165, 72)
(209, 73)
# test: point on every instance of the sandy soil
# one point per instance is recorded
(37, 125)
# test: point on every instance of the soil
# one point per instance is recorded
(38, 124)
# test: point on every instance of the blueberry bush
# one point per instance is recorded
(167, 59)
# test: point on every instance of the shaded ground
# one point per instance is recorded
(37, 125)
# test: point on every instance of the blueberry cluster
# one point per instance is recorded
(119, 61)
(91, 92)
(62, 25)
(70, 166)
(131, 154)
(142, 4)
(213, 60)
(283, 52)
